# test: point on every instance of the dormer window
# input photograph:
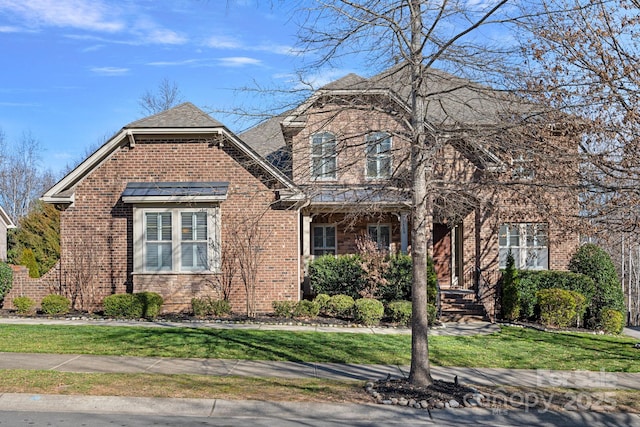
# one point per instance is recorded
(378, 152)
(323, 156)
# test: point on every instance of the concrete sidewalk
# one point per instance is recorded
(337, 371)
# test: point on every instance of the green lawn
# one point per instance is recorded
(509, 348)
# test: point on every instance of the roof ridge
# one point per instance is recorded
(185, 115)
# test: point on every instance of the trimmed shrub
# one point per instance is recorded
(120, 306)
(306, 308)
(207, 306)
(333, 275)
(510, 292)
(150, 302)
(54, 305)
(368, 311)
(24, 305)
(341, 305)
(6, 280)
(323, 301)
(611, 321)
(594, 262)
(283, 308)
(558, 306)
(400, 312)
(399, 278)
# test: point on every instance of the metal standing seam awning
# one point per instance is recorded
(176, 192)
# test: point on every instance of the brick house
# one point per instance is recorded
(156, 207)
(346, 148)
(163, 204)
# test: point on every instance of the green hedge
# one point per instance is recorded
(333, 275)
(594, 262)
(24, 305)
(208, 306)
(559, 307)
(6, 280)
(54, 305)
(400, 312)
(341, 305)
(133, 306)
(368, 311)
(611, 321)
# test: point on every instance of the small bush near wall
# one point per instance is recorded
(400, 312)
(368, 311)
(24, 305)
(283, 308)
(6, 280)
(151, 303)
(341, 305)
(208, 306)
(304, 308)
(122, 306)
(133, 306)
(323, 301)
(559, 307)
(611, 321)
(55, 305)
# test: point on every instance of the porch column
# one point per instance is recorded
(404, 232)
(306, 239)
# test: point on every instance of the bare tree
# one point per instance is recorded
(417, 35)
(21, 181)
(585, 55)
(79, 274)
(164, 97)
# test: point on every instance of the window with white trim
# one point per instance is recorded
(176, 240)
(523, 166)
(323, 156)
(527, 242)
(378, 153)
(381, 235)
(324, 239)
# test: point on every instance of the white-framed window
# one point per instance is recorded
(378, 153)
(380, 234)
(176, 239)
(323, 156)
(528, 243)
(324, 239)
(523, 166)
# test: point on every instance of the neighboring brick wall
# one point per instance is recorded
(100, 226)
(34, 288)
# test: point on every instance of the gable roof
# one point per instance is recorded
(6, 219)
(185, 115)
(184, 119)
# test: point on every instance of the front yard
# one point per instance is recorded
(512, 347)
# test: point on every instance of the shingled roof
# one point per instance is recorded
(185, 115)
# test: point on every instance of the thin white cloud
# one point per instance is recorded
(226, 42)
(173, 63)
(223, 42)
(238, 61)
(10, 29)
(110, 71)
(81, 14)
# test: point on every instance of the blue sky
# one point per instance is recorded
(73, 71)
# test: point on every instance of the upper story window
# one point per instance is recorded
(523, 166)
(378, 152)
(323, 156)
(527, 242)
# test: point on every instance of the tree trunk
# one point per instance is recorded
(420, 373)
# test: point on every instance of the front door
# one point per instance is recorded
(448, 256)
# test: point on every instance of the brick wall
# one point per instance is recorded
(34, 288)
